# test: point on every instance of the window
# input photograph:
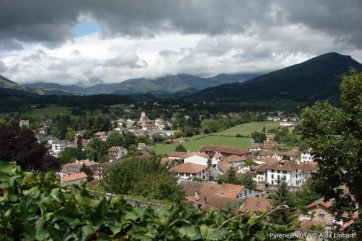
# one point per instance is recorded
(278, 171)
(284, 172)
(272, 176)
(321, 215)
(272, 170)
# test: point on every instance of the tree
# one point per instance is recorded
(335, 134)
(70, 154)
(114, 139)
(306, 195)
(250, 162)
(282, 196)
(21, 146)
(69, 135)
(258, 137)
(230, 177)
(142, 177)
(96, 150)
(247, 180)
(87, 171)
(180, 148)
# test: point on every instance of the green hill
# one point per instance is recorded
(8, 84)
(317, 78)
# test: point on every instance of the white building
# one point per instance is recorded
(188, 171)
(284, 171)
(58, 146)
(306, 156)
(117, 152)
(197, 158)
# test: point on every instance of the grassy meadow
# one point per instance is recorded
(226, 137)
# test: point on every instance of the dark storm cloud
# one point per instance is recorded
(52, 22)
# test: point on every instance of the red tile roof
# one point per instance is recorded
(256, 204)
(285, 166)
(74, 177)
(188, 168)
(224, 149)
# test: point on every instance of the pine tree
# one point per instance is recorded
(283, 198)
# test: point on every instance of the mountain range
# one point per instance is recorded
(315, 79)
(174, 84)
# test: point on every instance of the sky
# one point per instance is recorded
(91, 41)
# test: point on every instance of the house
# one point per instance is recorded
(284, 171)
(306, 156)
(74, 178)
(101, 135)
(196, 158)
(320, 212)
(189, 171)
(74, 167)
(259, 173)
(160, 124)
(256, 204)
(176, 155)
(206, 194)
(23, 123)
(117, 152)
(141, 146)
(57, 146)
(225, 151)
(285, 123)
(307, 170)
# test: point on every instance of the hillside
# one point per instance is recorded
(317, 78)
(8, 84)
(159, 86)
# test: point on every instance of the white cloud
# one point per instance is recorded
(92, 58)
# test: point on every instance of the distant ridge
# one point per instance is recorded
(160, 86)
(316, 78)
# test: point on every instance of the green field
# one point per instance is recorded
(226, 137)
(47, 112)
(248, 128)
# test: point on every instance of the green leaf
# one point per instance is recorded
(41, 232)
(212, 233)
(190, 231)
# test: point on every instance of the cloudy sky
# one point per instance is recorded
(92, 41)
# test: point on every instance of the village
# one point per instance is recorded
(199, 173)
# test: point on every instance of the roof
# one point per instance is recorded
(207, 189)
(188, 168)
(187, 155)
(80, 163)
(224, 149)
(309, 166)
(262, 168)
(310, 225)
(74, 177)
(100, 133)
(321, 203)
(285, 166)
(256, 204)
(177, 154)
(222, 202)
(233, 158)
(114, 149)
(166, 161)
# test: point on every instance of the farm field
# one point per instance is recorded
(226, 137)
(47, 112)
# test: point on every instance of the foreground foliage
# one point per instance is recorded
(335, 134)
(36, 207)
